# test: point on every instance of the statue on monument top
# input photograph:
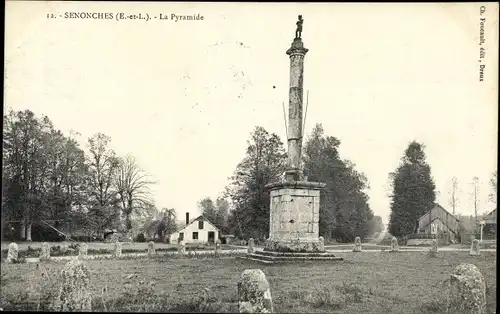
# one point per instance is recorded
(298, 31)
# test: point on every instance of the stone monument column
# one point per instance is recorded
(297, 53)
(294, 208)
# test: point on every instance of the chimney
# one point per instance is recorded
(187, 219)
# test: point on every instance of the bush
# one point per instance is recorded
(140, 238)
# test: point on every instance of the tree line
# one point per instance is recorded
(48, 179)
(344, 210)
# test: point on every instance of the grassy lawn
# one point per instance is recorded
(381, 282)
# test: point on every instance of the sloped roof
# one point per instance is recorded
(201, 217)
(491, 215)
(442, 208)
(436, 205)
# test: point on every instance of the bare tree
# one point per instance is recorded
(453, 196)
(475, 195)
(493, 185)
(132, 185)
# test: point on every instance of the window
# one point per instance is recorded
(181, 236)
(200, 224)
(195, 235)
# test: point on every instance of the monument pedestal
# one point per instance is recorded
(294, 225)
(294, 217)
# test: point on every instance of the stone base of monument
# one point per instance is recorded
(293, 246)
(267, 257)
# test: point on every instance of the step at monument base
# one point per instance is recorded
(267, 257)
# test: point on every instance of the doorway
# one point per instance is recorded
(211, 237)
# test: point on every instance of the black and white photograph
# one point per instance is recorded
(250, 157)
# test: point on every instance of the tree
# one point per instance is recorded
(454, 196)
(208, 209)
(413, 191)
(222, 206)
(142, 221)
(263, 164)
(132, 186)
(103, 199)
(168, 224)
(475, 195)
(493, 185)
(67, 172)
(375, 225)
(344, 209)
(26, 142)
(44, 173)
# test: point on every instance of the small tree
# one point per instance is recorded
(493, 186)
(208, 209)
(453, 194)
(168, 224)
(475, 196)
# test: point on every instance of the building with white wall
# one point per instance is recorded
(198, 231)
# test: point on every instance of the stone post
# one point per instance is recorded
(82, 251)
(321, 244)
(467, 293)
(45, 252)
(297, 53)
(217, 247)
(254, 293)
(151, 248)
(394, 245)
(181, 248)
(118, 249)
(251, 245)
(357, 245)
(74, 293)
(434, 248)
(474, 248)
(13, 252)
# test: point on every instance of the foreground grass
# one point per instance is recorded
(381, 282)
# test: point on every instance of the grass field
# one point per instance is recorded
(380, 282)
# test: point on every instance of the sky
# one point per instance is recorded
(183, 97)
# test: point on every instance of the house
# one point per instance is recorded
(199, 230)
(439, 220)
(489, 225)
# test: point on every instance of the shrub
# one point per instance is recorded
(327, 297)
(435, 306)
(140, 238)
(352, 292)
